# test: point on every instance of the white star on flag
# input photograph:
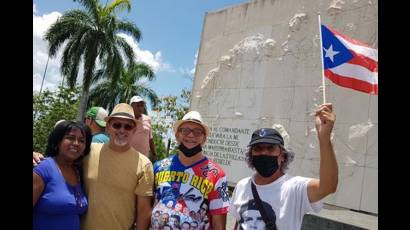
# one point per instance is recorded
(330, 53)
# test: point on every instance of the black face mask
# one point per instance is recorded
(190, 152)
(266, 166)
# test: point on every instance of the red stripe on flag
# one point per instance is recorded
(352, 83)
(359, 59)
(348, 39)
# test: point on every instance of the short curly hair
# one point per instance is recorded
(289, 156)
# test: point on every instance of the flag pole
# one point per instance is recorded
(321, 58)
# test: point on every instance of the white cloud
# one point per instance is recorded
(53, 76)
(40, 54)
(195, 60)
(146, 56)
(189, 72)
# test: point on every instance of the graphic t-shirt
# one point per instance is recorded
(285, 202)
(188, 196)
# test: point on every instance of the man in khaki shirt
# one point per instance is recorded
(118, 179)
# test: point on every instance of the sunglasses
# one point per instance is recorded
(127, 127)
(187, 131)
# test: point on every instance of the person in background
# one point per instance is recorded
(143, 140)
(95, 120)
(58, 197)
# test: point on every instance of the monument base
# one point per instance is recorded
(333, 217)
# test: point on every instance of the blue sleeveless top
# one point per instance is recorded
(61, 204)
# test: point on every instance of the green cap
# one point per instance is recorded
(97, 114)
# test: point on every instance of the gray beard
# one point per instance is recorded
(120, 142)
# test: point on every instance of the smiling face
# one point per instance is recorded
(121, 131)
(191, 134)
(72, 144)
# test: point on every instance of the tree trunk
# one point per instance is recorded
(83, 104)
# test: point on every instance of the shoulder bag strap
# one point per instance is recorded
(268, 222)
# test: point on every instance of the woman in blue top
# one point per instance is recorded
(58, 197)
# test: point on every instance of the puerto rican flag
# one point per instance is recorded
(349, 63)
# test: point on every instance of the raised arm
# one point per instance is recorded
(328, 180)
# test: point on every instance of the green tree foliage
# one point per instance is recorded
(107, 93)
(170, 109)
(157, 131)
(50, 107)
(91, 37)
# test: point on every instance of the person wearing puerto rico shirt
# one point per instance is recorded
(188, 184)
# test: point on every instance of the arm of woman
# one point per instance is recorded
(38, 187)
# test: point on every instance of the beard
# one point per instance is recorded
(120, 141)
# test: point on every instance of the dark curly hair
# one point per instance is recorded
(63, 128)
(289, 156)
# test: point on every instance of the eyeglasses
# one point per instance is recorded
(127, 127)
(260, 148)
(186, 131)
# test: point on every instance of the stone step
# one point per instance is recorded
(337, 218)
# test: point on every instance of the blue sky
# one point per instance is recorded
(171, 31)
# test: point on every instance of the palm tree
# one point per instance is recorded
(91, 36)
(108, 93)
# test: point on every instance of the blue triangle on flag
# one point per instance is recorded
(340, 51)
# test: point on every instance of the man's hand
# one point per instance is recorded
(37, 157)
(324, 120)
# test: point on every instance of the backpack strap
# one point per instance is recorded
(269, 224)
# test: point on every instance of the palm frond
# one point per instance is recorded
(127, 49)
(92, 6)
(117, 6)
(129, 28)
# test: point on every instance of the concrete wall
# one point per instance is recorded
(259, 66)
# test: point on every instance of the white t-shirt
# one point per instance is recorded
(286, 201)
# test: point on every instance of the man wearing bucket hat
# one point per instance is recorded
(142, 140)
(95, 120)
(289, 196)
(118, 179)
(188, 184)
